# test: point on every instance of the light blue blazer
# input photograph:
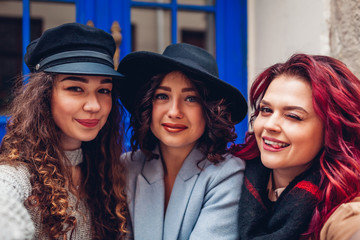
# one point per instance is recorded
(203, 203)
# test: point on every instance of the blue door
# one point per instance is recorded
(225, 35)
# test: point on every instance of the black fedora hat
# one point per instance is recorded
(73, 48)
(139, 67)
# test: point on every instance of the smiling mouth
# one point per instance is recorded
(174, 128)
(88, 122)
(276, 145)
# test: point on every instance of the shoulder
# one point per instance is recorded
(343, 222)
(132, 158)
(17, 178)
(15, 188)
(230, 168)
(231, 160)
(352, 207)
(229, 164)
(133, 162)
(347, 211)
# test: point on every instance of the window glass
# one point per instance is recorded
(43, 15)
(53, 13)
(153, 1)
(151, 29)
(197, 28)
(198, 2)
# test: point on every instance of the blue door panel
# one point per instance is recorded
(2, 126)
(231, 49)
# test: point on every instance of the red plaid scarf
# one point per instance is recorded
(289, 216)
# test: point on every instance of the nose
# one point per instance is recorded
(175, 110)
(92, 103)
(272, 124)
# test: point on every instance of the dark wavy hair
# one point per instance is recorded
(219, 130)
(32, 140)
(336, 99)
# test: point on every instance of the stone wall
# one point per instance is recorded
(344, 34)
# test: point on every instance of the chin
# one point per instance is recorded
(88, 139)
(271, 163)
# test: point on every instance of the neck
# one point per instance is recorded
(282, 177)
(174, 157)
(69, 144)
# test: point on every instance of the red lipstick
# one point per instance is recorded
(90, 123)
(174, 128)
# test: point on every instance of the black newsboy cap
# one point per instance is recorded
(73, 48)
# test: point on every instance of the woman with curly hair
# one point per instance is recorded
(181, 179)
(303, 155)
(60, 175)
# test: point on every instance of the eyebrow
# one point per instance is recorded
(84, 80)
(188, 90)
(182, 90)
(286, 107)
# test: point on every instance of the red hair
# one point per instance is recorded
(336, 99)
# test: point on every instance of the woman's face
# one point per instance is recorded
(177, 116)
(288, 132)
(80, 106)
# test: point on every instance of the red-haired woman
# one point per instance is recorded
(303, 153)
(60, 175)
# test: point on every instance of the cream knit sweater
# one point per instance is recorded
(18, 222)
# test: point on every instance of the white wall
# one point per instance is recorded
(279, 28)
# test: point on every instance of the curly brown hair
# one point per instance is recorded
(219, 130)
(32, 139)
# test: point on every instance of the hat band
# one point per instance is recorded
(74, 54)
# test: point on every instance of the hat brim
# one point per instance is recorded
(139, 67)
(84, 68)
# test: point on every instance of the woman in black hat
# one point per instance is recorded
(59, 171)
(182, 182)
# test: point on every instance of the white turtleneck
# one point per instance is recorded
(19, 222)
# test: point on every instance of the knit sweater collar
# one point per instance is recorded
(75, 157)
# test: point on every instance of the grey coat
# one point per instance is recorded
(203, 203)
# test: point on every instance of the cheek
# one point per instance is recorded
(198, 120)
(60, 116)
(155, 113)
(57, 109)
(307, 145)
(62, 104)
(314, 142)
(201, 120)
(63, 108)
(107, 106)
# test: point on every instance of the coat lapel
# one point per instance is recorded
(149, 201)
(181, 193)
